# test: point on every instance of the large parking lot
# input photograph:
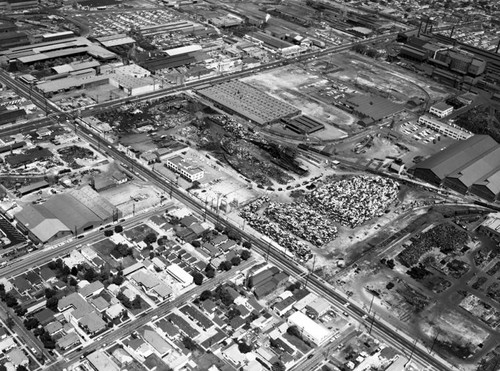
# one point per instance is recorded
(110, 23)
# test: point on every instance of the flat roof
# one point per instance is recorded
(441, 106)
(374, 106)
(304, 125)
(249, 102)
(179, 274)
(102, 362)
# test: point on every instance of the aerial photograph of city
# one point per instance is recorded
(243, 185)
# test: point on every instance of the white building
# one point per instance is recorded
(441, 109)
(185, 168)
(311, 330)
(450, 130)
(180, 274)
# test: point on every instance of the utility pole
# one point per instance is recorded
(311, 271)
(434, 341)
(371, 325)
(412, 351)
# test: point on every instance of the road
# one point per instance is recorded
(162, 309)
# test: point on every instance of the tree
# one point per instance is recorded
(52, 303)
(21, 368)
(50, 293)
(235, 260)
(247, 245)
(245, 254)
(294, 331)
(188, 343)
(205, 295)
(118, 280)
(210, 273)
(225, 265)
(233, 235)
(73, 281)
(74, 271)
(196, 243)
(244, 347)
(198, 278)
(150, 238)
(233, 312)
(108, 232)
(278, 366)
(10, 300)
(90, 274)
(31, 323)
(118, 229)
(136, 303)
(52, 265)
(219, 228)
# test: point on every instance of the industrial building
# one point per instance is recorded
(249, 102)
(441, 109)
(450, 130)
(185, 168)
(373, 107)
(48, 50)
(304, 125)
(74, 212)
(472, 165)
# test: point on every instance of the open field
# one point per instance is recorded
(362, 74)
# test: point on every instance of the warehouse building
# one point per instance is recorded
(74, 212)
(304, 125)
(472, 165)
(248, 102)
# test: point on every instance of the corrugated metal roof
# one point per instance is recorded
(457, 155)
(478, 168)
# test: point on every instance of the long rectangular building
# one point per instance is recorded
(249, 102)
(472, 165)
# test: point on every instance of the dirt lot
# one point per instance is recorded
(285, 83)
(399, 85)
(132, 196)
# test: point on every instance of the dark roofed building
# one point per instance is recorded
(464, 177)
(8, 116)
(436, 168)
(304, 125)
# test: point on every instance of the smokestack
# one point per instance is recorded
(498, 46)
(419, 28)
(268, 16)
(452, 30)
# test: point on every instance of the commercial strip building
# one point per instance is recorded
(185, 168)
(471, 165)
(249, 102)
(450, 130)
